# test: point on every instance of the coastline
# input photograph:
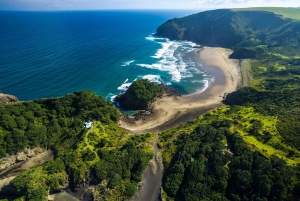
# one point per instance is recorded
(169, 112)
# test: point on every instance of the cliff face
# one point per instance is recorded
(206, 28)
(6, 98)
(237, 30)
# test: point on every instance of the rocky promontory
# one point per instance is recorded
(240, 30)
(141, 94)
(6, 99)
(23, 155)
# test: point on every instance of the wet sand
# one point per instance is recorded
(169, 112)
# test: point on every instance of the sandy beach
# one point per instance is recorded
(168, 112)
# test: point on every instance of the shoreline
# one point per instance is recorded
(169, 112)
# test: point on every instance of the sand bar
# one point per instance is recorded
(171, 111)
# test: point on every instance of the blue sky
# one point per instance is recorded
(139, 4)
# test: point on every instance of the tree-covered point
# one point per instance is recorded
(140, 94)
(205, 168)
(244, 31)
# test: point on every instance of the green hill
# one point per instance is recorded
(293, 13)
(241, 30)
(139, 95)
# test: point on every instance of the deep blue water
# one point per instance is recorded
(50, 54)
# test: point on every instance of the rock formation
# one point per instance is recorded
(13, 159)
(139, 95)
(6, 99)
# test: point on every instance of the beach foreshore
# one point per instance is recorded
(168, 112)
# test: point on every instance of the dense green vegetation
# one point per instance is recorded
(293, 13)
(51, 123)
(285, 105)
(140, 94)
(261, 126)
(211, 161)
(103, 153)
(248, 150)
(243, 31)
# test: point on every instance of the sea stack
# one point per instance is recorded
(140, 95)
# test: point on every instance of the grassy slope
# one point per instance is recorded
(274, 69)
(267, 140)
(293, 13)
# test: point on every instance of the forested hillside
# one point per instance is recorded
(212, 163)
(103, 154)
(249, 150)
(243, 31)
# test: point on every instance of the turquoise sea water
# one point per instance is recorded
(50, 54)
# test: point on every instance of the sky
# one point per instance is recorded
(140, 4)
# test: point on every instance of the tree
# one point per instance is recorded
(174, 179)
(114, 181)
(130, 189)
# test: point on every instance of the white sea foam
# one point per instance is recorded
(167, 50)
(206, 83)
(124, 86)
(111, 97)
(153, 78)
(152, 38)
(127, 63)
(171, 57)
(190, 43)
(125, 80)
(152, 66)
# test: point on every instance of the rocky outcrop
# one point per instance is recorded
(131, 103)
(129, 99)
(139, 95)
(11, 160)
(6, 99)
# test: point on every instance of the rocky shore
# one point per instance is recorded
(10, 160)
(141, 94)
(12, 165)
(6, 99)
(145, 113)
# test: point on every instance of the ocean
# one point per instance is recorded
(50, 54)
